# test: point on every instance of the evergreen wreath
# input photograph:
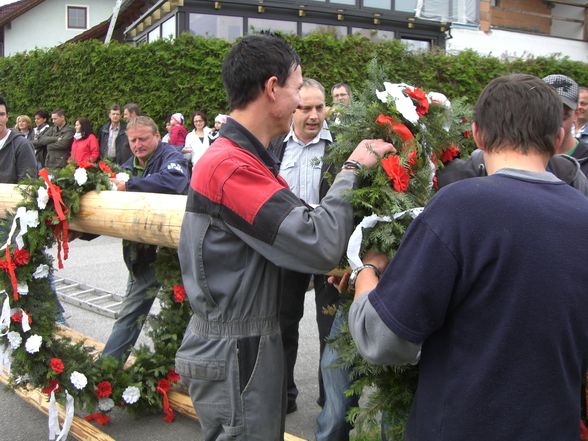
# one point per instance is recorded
(427, 131)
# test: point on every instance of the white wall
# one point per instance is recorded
(500, 43)
(45, 25)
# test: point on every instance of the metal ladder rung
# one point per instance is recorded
(76, 294)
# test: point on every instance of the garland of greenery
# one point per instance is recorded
(39, 358)
(427, 131)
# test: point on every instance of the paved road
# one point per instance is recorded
(99, 263)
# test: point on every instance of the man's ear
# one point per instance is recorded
(270, 86)
(477, 136)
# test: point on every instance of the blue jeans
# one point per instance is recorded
(331, 422)
(133, 313)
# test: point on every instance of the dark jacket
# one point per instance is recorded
(123, 149)
(58, 142)
(278, 146)
(564, 167)
(581, 155)
(17, 159)
(40, 144)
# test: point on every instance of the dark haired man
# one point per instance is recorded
(41, 117)
(114, 144)
(17, 159)
(242, 224)
(58, 139)
(131, 110)
(483, 292)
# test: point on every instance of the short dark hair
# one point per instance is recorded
(133, 108)
(201, 115)
(3, 103)
(86, 126)
(251, 62)
(519, 111)
(59, 112)
(114, 107)
(344, 85)
(43, 114)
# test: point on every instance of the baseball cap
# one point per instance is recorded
(566, 88)
(178, 117)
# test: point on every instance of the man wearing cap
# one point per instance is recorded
(177, 131)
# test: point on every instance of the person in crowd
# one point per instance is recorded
(219, 120)
(242, 224)
(301, 154)
(25, 126)
(41, 117)
(177, 131)
(155, 167)
(58, 140)
(341, 96)
(85, 145)
(197, 141)
(131, 110)
(114, 144)
(581, 126)
(452, 301)
(167, 124)
(17, 159)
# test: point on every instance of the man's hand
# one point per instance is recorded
(341, 283)
(120, 185)
(368, 151)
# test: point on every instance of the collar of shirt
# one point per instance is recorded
(246, 140)
(3, 140)
(323, 135)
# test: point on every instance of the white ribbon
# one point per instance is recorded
(5, 358)
(354, 245)
(27, 218)
(5, 316)
(53, 422)
(26, 327)
(69, 416)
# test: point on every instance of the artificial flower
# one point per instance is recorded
(439, 98)
(403, 103)
(106, 169)
(122, 176)
(33, 343)
(54, 386)
(85, 164)
(397, 173)
(467, 134)
(57, 365)
(81, 176)
(449, 153)
(131, 395)
(104, 389)
(41, 272)
(42, 197)
(422, 105)
(17, 317)
(21, 257)
(78, 379)
(400, 129)
(164, 385)
(179, 293)
(15, 339)
(173, 376)
(23, 288)
(99, 417)
(105, 404)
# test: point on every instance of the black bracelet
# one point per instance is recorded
(350, 164)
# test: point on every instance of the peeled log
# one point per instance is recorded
(151, 218)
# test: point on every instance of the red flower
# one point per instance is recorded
(173, 376)
(397, 173)
(53, 386)
(467, 134)
(163, 385)
(449, 153)
(57, 365)
(400, 129)
(420, 98)
(106, 169)
(179, 293)
(104, 389)
(17, 317)
(412, 159)
(21, 257)
(99, 417)
(85, 164)
(464, 119)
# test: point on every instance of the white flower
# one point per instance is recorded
(402, 101)
(33, 343)
(30, 218)
(78, 379)
(23, 288)
(105, 404)
(15, 339)
(22, 379)
(41, 272)
(131, 395)
(122, 176)
(439, 98)
(81, 176)
(42, 198)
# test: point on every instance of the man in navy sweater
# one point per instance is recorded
(483, 293)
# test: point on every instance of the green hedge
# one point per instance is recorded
(184, 75)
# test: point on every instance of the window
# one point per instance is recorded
(77, 17)
(380, 4)
(406, 5)
(339, 31)
(260, 24)
(153, 35)
(220, 26)
(416, 45)
(168, 28)
(374, 34)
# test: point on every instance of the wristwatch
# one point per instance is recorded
(356, 271)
